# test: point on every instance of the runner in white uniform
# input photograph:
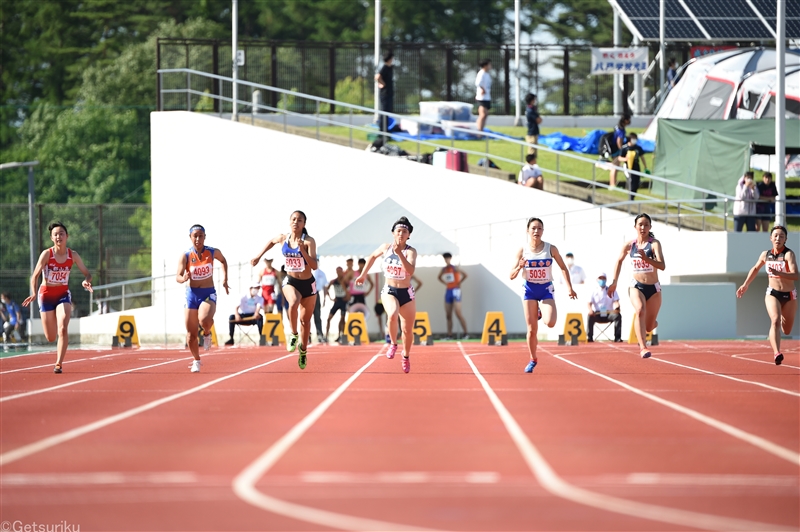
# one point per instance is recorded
(398, 260)
(536, 259)
(646, 259)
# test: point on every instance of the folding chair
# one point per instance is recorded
(603, 327)
(245, 329)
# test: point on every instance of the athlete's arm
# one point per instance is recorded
(310, 254)
(409, 263)
(791, 266)
(221, 258)
(37, 271)
(564, 271)
(419, 283)
(87, 281)
(463, 276)
(613, 286)
(277, 240)
(183, 274)
(370, 261)
(519, 264)
(762, 259)
(441, 274)
(658, 256)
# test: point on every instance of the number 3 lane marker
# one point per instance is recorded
(550, 481)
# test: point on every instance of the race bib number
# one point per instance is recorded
(58, 276)
(449, 277)
(537, 275)
(395, 272)
(777, 265)
(200, 272)
(295, 264)
(641, 266)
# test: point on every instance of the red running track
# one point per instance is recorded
(703, 435)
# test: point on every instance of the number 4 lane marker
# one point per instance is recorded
(553, 483)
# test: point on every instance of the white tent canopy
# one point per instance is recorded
(368, 232)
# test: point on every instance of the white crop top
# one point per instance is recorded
(538, 266)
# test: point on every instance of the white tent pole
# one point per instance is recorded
(780, 113)
(617, 41)
(234, 46)
(661, 44)
(638, 86)
(377, 55)
(517, 107)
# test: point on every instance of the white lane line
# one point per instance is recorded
(52, 441)
(81, 381)
(65, 362)
(765, 445)
(689, 479)
(399, 477)
(244, 485)
(550, 481)
(100, 478)
(744, 357)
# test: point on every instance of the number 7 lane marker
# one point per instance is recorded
(550, 481)
(52, 441)
(244, 485)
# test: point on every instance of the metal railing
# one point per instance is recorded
(686, 207)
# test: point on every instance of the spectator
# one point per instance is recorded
(269, 281)
(619, 140)
(12, 318)
(281, 304)
(322, 281)
(533, 119)
(765, 208)
(744, 208)
(531, 174)
(340, 298)
(603, 308)
(632, 154)
(483, 95)
(248, 312)
(672, 74)
(385, 79)
(349, 273)
(576, 273)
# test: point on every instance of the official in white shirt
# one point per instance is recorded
(603, 309)
(483, 92)
(576, 273)
(322, 281)
(249, 311)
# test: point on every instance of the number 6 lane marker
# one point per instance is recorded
(551, 482)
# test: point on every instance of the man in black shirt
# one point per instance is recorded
(765, 208)
(385, 80)
(631, 154)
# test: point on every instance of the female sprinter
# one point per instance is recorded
(55, 301)
(645, 291)
(197, 267)
(300, 290)
(781, 298)
(536, 258)
(399, 262)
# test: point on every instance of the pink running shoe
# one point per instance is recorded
(406, 364)
(391, 351)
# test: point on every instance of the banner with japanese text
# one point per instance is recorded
(619, 60)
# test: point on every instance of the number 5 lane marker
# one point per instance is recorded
(551, 482)
(244, 485)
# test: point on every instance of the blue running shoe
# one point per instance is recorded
(530, 366)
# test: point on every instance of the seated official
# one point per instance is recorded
(248, 312)
(603, 309)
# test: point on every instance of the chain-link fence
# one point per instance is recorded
(559, 75)
(112, 239)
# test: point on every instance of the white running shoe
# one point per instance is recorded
(195, 367)
(206, 342)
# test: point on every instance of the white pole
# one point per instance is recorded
(518, 106)
(638, 87)
(780, 113)
(617, 41)
(234, 46)
(377, 56)
(661, 44)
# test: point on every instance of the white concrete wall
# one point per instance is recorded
(242, 183)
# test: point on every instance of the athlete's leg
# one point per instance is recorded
(652, 306)
(549, 312)
(531, 308)
(788, 310)
(306, 310)
(318, 318)
(639, 315)
(205, 316)
(192, 325)
(448, 312)
(63, 313)
(328, 325)
(50, 325)
(293, 298)
(457, 308)
(341, 322)
(408, 313)
(775, 315)
(392, 308)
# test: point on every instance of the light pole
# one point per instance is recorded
(31, 232)
(234, 56)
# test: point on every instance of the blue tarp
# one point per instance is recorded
(587, 144)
